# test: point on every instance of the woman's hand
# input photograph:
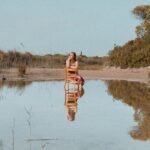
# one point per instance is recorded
(69, 58)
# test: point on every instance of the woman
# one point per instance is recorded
(72, 62)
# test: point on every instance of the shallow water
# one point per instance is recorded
(108, 117)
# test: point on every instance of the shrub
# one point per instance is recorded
(21, 70)
(149, 75)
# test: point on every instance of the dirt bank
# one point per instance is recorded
(45, 74)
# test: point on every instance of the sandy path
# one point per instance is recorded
(45, 74)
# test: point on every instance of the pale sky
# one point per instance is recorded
(61, 26)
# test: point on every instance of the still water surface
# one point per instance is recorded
(108, 116)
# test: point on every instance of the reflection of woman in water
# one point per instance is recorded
(72, 62)
(72, 106)
(71, 113)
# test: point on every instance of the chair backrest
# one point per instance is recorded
(71, 98)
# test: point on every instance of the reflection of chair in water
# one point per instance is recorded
(70, 77)
(71, 98)
(71, 104)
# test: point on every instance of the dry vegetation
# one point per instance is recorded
(14, 59)
(135, 53)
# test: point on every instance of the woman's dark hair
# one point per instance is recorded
(71, 115)
(74, 56)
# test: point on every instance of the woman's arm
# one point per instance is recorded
(67, 63)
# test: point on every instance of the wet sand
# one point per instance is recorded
(46, 74)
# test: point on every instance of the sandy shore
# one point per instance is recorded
(45, 74)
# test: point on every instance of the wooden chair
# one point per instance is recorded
(70, 77)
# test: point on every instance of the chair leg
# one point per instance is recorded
(68, 86)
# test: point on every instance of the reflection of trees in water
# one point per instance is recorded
(18, 85)
(136, 95)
